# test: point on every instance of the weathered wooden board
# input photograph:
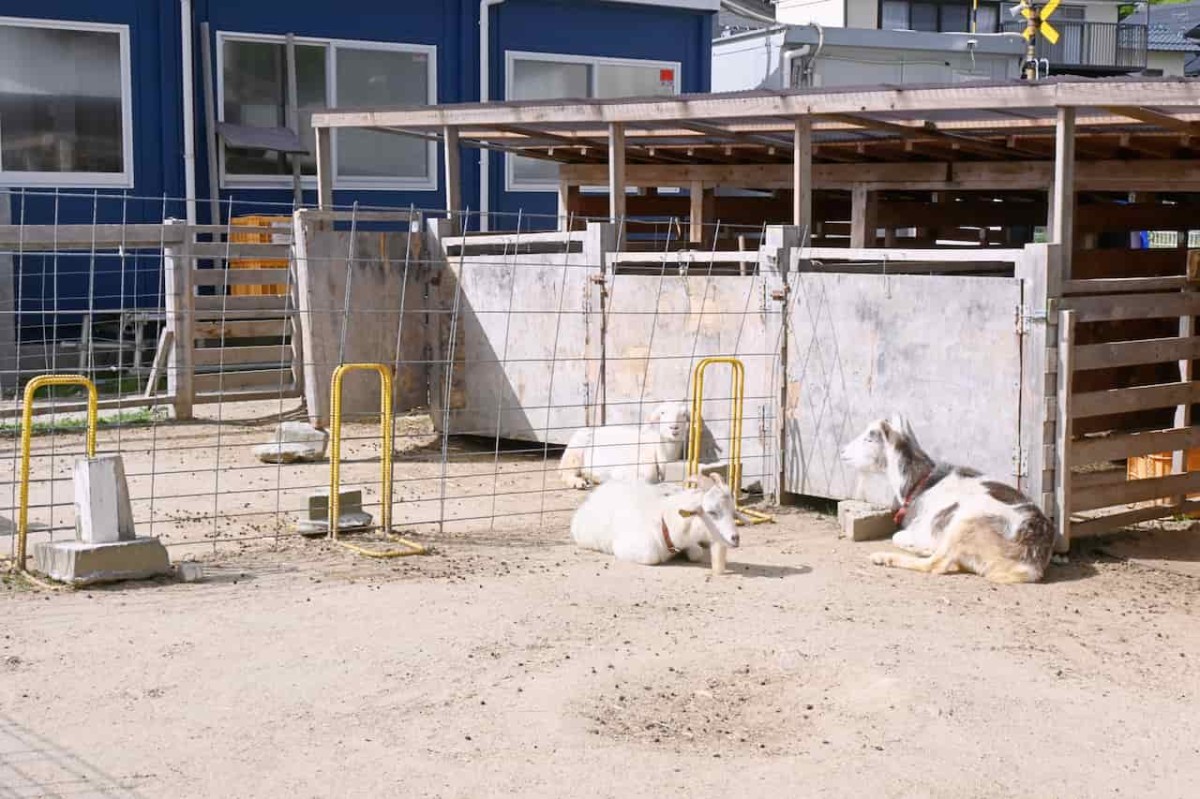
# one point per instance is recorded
(661, 326)
(520, 369)
(387, 286)
(943, 350)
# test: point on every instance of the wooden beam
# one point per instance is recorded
(725, 108)
(1106, 176)
(802, 176)
(1062, 196)
(324, 168)
(650, 152)
(616, 173)
(1157, 118)
(928, 133)
(733, 135)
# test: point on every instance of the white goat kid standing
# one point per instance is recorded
(953, 518)
(626, 452)
(646, 524)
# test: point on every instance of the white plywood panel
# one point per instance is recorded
(942, 350)
(661, 326)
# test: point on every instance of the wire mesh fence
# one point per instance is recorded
(202, 339)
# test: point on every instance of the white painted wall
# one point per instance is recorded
(830, 13)
(1171, 63)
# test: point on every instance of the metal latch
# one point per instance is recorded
(1027, 317)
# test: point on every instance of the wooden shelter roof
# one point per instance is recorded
(1119, 119)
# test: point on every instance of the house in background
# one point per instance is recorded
(109, 99)
(915, 41)
(835, 43)
(1174, 36)
(111, 96)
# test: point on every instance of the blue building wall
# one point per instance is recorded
(584, 27)
(654, 33)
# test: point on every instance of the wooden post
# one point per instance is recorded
(1062, 192)
(802, 197)
(696, 213)
(862, 216)
(1066, 344)
(1183, 413)
(453, 179)
(775, 265)
(616, 173)
(177, 283)
(324, 168)
(564, 205)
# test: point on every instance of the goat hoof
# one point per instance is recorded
(881, 559)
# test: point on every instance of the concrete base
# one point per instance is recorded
(862, 521)
(351, 516)
(675, 471)
(77, 563)
(294, 442)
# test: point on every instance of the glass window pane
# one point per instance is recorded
(255, 85)
(956, 19)
(895, 15)
(988, 19)
(545, 80)
(367, 78)
(60, 100)
(633, 80)
(925, 17)
(549, 80)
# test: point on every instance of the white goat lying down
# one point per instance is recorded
(627, 451)
(953, 518)
(647, 524)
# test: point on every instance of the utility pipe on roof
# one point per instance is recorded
(189, 111)
(485, 78)
(802, 52)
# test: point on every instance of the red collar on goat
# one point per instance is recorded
(666, 534)
(903, 511)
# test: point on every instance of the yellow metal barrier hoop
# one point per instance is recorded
(335, 456)
(737, 399)
(31, 388)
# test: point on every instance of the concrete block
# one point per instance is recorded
(351, 516)
(103, 513)
(294, 441)
(78, 563)
(190, 571)
(862, 521)
(675, 471)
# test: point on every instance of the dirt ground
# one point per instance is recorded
(510, 664)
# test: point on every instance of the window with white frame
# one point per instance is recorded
(538, 76)
(329, 74)
(65, 104)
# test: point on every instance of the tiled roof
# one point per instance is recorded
(1169, 39)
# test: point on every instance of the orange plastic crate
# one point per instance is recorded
(1143, 467)
(266, 237)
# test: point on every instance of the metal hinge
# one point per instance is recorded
(1026, 317)
(1020, 462)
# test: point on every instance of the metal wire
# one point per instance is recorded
(504, 359)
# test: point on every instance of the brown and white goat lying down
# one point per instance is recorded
(952, 518)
